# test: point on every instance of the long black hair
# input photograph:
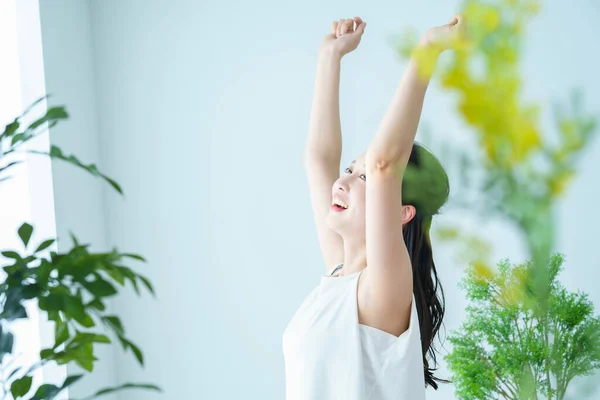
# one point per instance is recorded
(425, 186)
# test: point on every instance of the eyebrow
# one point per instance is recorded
(353, 161)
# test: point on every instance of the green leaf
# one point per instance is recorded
(61, 333)
(134, 256)
(147, 386)
(100, 288)
(74, 308)
(10, 129)
(20, 137)
(97, 304)
(115, 323)
(53, 315)
(29, 259)
(10, 165)
(85, 356)
(57, 153)
(147, 284)
(12, 254)
(52, 115)
(13, 310)
(84, 337)
(116, 275)
(45, 245)
(25, 232)
(47, 354)
(49, 392)
(21, 386)
(136, 351)
(120, 271)
(31, 291)
(51, 303)
(71, 380)
(86, 364)
(35, 103)
(46, 392)
(13, 373)
(6, 342)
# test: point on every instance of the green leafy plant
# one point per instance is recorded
(71, 287)
(505, 350)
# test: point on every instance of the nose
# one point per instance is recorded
(341, 184)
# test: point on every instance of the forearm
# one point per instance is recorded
(396, 133)
(325, 133)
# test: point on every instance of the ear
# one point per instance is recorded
(408, 213)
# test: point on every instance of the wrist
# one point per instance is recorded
(426, 44)
(433, 41)
(330, 54)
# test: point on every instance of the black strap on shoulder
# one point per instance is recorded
(337, 268)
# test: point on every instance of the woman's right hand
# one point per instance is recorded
(343, 38)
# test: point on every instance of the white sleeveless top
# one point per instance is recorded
(329, 355)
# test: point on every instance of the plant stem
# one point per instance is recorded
(507, 384)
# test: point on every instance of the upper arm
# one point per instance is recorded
(390, 270)
(321, 175)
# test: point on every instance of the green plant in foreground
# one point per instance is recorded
(70, 287)
(505, 350)
(518, 173)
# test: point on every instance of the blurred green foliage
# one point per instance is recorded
(517, 174)
(505, 350)
(71, 287)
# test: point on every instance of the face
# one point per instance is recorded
(351, 188)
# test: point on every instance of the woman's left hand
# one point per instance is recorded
(448, 36)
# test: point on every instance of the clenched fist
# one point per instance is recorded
(344, 37)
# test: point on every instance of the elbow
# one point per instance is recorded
(385, 162)
(378, 162)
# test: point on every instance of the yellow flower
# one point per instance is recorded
(559, 182)
(447, 233)
(511, 292)
(482, 272)
(533, 6)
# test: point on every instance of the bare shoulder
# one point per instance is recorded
(385, 312)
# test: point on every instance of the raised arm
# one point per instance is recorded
(393, 141)
(390, 273)
(324, 135)
(324, 144)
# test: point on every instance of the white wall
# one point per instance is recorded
(202, 112)
(27, 195)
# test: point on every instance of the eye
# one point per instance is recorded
(349, 171)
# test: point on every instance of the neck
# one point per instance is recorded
(355, 256)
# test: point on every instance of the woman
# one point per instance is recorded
(366, 331)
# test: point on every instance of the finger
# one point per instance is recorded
(334, 27)
(350, 23)
(346, 26)
(338, 31)
(361, 28)
(358, 21)
(455, 20)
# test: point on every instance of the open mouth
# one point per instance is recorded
(339, 206)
